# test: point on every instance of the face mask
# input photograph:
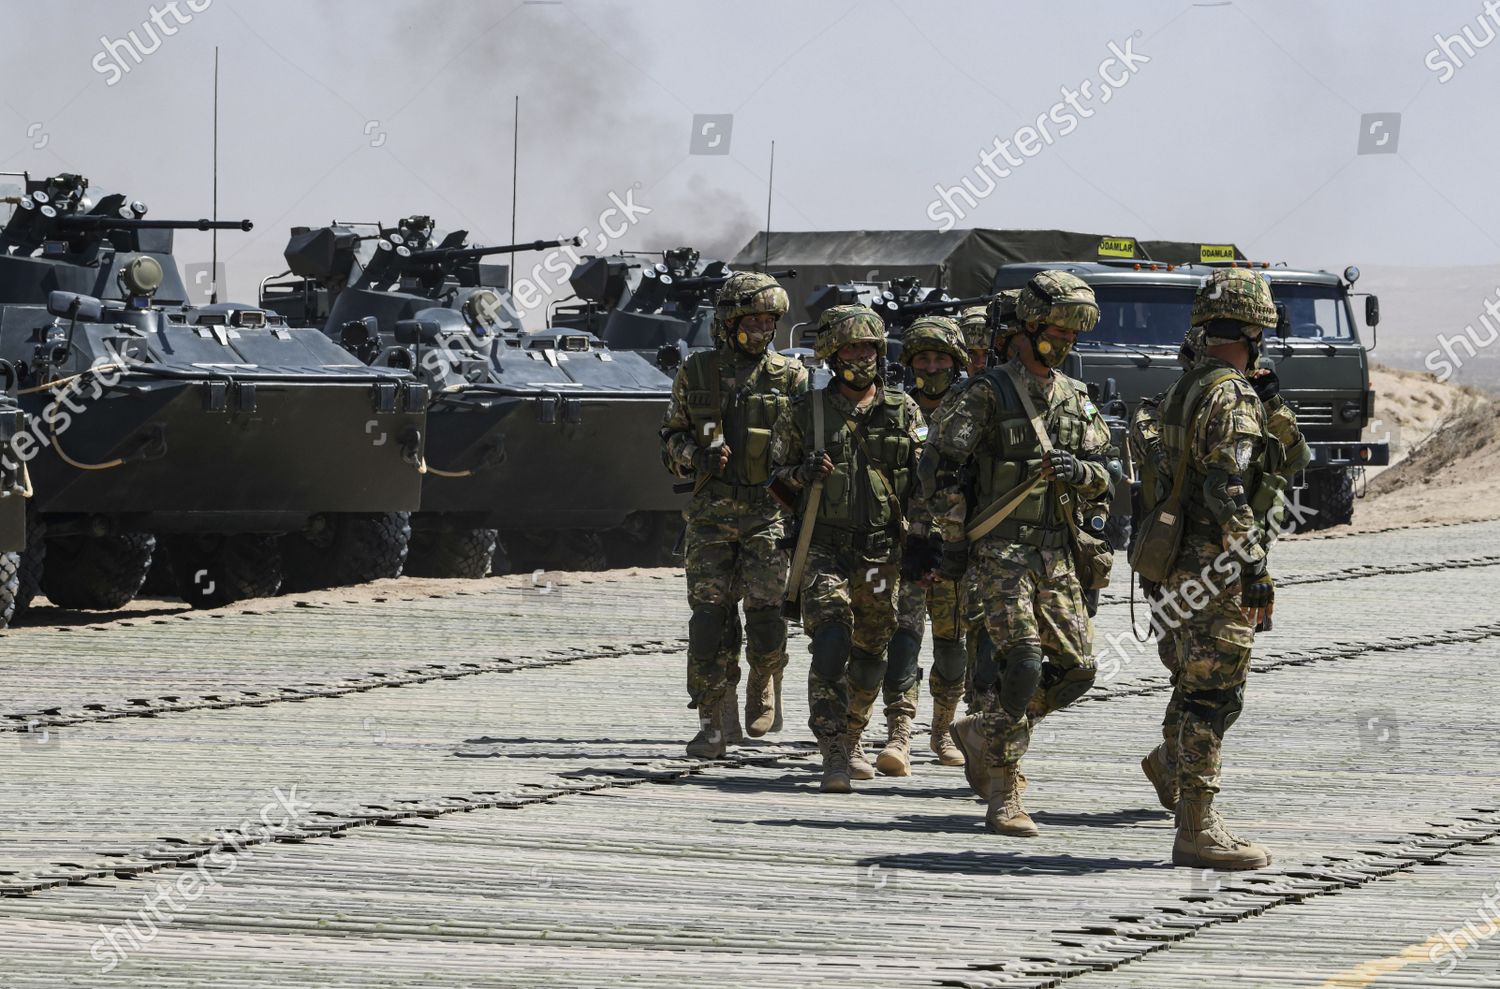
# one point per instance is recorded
(859, 374)
(934, 384)
(1049, 351)
(753, 342)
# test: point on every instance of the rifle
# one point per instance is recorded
(790, 608)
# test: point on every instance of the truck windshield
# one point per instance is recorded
(1316, 312)
(1141, 316)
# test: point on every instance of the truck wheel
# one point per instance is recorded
(1330, 494)
(214, 570)
(32, 559)
(351, 549)
(96, 573)
(10, 584)
(451, 553)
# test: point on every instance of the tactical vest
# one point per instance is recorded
(1010, 453)
(862, 498)
(745, 410)
(1262, 479)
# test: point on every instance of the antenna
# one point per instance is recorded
(213, 267)
(770, 184)
(515, 158)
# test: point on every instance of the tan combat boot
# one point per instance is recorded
(940, 740)
(761, 708)
(1203, 842)
(776, 723)
(900, 709)
(709, 742)
(968, 738)
(835, 767)
(861, 703)
(1163, 775)
(1005, 815)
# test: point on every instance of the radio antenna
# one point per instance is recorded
(770, 184)
(213, 268)
(515, 160)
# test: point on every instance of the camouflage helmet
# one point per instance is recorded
(937, 333)
(746, 293)
(1001, 313)
(974, 322)
(1238, 294)
(1056, 298)
(840, 325)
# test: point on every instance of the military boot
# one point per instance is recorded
(709, 742)
(1203, 842)
(729, 716)
(968, 738)
(900, 709)
(776, 722)
(940, 740)
(861, 703)
(835, 766)
(761, 708)
(1005, 815)
(1160, 770)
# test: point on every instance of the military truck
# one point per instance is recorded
(540, 445)
(244, 444)
(1316, 352)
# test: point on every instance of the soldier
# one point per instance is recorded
(934, 349)
(974, 322)
(717, 430)
(851, 450)
(1028, 487)
(1236, 445)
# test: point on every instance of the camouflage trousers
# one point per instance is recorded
(1208, 656)
(1033, 607)
(841, 589)
(944, 603)
(731, 557)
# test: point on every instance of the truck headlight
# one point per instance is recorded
(1350, 411)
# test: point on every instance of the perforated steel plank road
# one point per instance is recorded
(482, 783)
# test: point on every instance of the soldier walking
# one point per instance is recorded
(725, 403)
(849, 450)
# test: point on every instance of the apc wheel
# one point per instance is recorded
(565, 549)
(10, 584)
(31, 563)
(352, 549)
(214, 570)
(462, 553)
(96, 573)
(646, 539)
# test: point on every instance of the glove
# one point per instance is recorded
(1091, 602)
(816, 465)
(953, 562)
(1258, 590)
(711, 459)
(1267, 386)
(1063, 466)
(920, 556)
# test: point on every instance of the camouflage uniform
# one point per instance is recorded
(734, 527)
(1237, 468)
(850, 583)
(1032, 600)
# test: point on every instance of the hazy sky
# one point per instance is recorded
(1244, 124)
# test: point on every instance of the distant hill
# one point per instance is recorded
(1421, 307)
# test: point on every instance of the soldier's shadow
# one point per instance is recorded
(1009, 863)
(1124, 818)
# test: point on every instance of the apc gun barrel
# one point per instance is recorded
(440, 255)
(92, 222)
(926, 307)
(715, 281)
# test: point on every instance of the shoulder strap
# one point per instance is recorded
(1037, 425)
(1197, 391)
(819, 440)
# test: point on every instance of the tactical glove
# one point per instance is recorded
(1266, 384)
(710, 459)
(1065, 467)
(1258, 590)
(954, 560)
(920, 556)
(815, 466)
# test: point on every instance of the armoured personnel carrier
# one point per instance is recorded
(540, 445)
(246, 449)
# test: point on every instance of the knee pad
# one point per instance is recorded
(1019, 678)
(902, 670)
(986, 668)
(1219, 708)
(949, 659)
(706, 630)
(765, 630)
(866, 670)
(830, 651)
(1061, 687)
